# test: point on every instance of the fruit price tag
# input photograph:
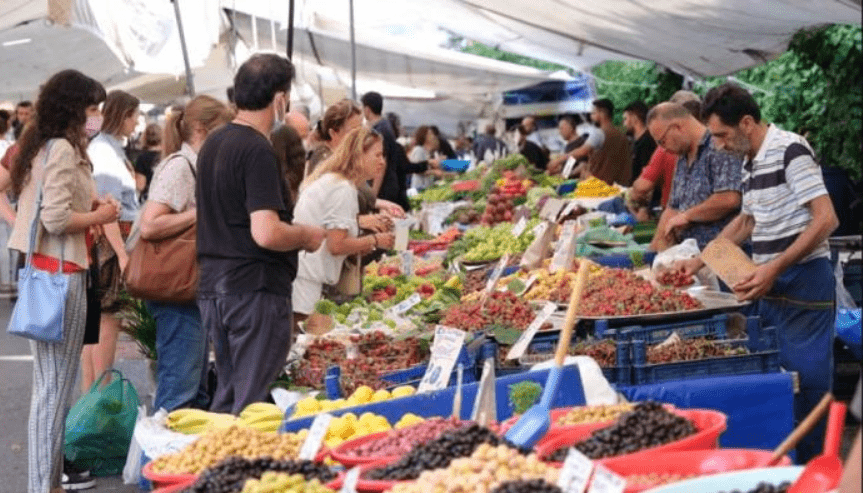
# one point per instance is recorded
(444, 353)
(568, 167)
(564, 251)
(570, 206)
(496, 273)
(539, 229)
(351, 478)
(606, 481)
(575, 472)
(317, 432)
(519, 227)
(407, 259)
(527, 284)
(524, 339)
(407, 304)
(551, 209)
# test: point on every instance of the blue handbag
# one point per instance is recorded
(41, 305)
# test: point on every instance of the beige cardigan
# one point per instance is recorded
(68, 187)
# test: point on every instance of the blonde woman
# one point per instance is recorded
(181, 341)
(328, 198)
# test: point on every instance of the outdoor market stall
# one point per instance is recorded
(398, 380)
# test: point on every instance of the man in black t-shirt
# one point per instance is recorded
(643, 145)
(247, 246)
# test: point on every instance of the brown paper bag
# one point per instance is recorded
(727, 261)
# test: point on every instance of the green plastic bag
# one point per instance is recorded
(100, 425)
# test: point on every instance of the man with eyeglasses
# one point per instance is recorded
(705, 194)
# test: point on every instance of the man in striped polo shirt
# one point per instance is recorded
(788, 215)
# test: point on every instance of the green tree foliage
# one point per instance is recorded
(625, 82)
(476, 48)
(815, 89)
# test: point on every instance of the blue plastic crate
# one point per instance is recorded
(763, 358)
(439, 403)
(715, 326)
(622, 260)
(546, 344)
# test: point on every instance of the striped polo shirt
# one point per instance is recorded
(777, 184)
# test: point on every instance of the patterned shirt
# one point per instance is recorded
(777, 184)
(712, 171)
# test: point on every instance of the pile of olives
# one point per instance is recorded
(529, 486)
(769, 488)
(229, 475)
(437, 453)
(648, 425)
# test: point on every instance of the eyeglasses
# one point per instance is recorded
(661, 140)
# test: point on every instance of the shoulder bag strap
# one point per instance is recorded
(34, 225)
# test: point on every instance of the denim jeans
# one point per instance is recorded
(181, 366)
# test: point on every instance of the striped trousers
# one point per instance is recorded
(55, 366)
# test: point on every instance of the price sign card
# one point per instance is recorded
(496, 273)
(539, 229)
(564, 251)
(407, 304)
(575, 473)
(527, 284)
(407, 260)
(519, 227)
(570, 206)
(524, 339)
(316, 436)
(606, 481)
(568, 167)
(444, 353)
(551, 209)
(351, 478)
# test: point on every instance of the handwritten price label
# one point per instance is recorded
(316, 436)
(519, 227)
(564, 251)
(351, 478)
(407, 259)
(568, 167)
(575, 473)
(444, 353)
(539, 229)
(412, 301)
(605, 481)
(524, 339)
(496, 273)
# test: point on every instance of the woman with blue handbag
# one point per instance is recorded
(57, 208)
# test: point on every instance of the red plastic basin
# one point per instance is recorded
(176, 488)
(709, 425)
(687, 463)
(368, 485)
(342, 453)
(160, 480)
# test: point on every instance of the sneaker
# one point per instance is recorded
(75, 479)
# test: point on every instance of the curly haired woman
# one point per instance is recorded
(53, 158)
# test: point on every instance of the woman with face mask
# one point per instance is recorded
(53, 158)
(115, 177)
(328, 198)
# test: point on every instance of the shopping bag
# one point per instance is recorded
(100, 425)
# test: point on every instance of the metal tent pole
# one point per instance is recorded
(290, 50)
(353, 55)
(190, 83)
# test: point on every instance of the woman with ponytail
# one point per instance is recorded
(181, 341)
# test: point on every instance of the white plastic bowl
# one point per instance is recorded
(740, 480)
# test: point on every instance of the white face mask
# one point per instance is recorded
(93, 125)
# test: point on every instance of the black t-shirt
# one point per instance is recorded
(642, 150)
(238, 173)
(394, 183)
(144, 164)
(534, 155)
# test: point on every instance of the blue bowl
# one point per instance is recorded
(454, 165)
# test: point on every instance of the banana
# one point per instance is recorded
(196, 421)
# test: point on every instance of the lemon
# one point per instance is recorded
(403, 391)
(363, 393)
(380, 395)
(367, 417)
(340, 403)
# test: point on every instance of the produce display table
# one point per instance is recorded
(760, 408)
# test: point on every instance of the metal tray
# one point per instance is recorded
(714, 302)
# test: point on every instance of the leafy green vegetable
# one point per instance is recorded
(325, 307)
(522, 395)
